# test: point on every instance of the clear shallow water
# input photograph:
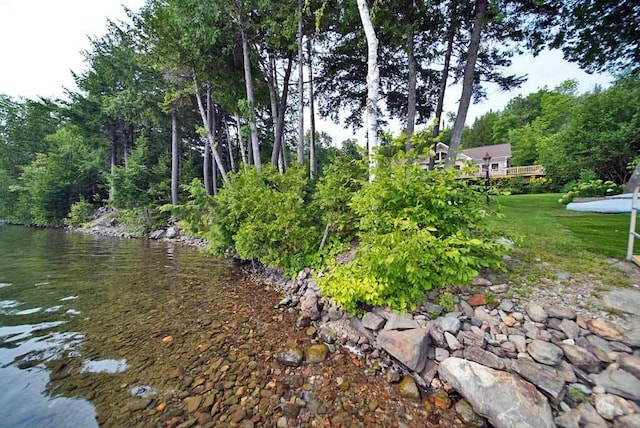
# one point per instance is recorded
(73, 311)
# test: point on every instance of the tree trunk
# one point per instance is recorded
(206, 121)
(128, 144)
(281, 109)
(248, 79)
(232, 161)
(207, 150)
(313, 165)
(243, 152)
(412, 78)
(113, 160)
(272, 84)
(214, 176)
(443, 80)
(174, 157)
(467, 82)
(373, 85)
(300, 146)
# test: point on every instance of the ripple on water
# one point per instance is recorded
(64, 299)
(4, 284)
(104, 366)
(53, 309)
(28, 311)
(73, 312)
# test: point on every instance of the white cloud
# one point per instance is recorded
(42, 41)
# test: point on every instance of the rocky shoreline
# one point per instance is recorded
(565, 367)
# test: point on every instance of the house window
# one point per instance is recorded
(484, 167)
(495, 166)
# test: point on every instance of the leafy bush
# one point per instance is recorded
(592, 188)
(340, 182)
(80, 213)
(418, 231)
(263, 216)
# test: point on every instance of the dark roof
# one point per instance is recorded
(495, 151)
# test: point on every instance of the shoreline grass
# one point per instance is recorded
(577, 242)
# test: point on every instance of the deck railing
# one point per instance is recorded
(514, 171)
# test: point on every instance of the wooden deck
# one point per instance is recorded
(514, 171)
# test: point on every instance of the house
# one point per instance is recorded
(498, 164)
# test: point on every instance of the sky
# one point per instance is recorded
(42, 41)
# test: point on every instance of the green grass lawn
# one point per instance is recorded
(546, 231)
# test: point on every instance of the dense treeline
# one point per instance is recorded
(195, 108)
(593, 135)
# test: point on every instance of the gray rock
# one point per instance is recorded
(360, 329)
(486, 358)
(499, 288)
(450, 324)
(598, 347)
(506, 400)
(560, 312)
(437, 337)
(400, 322)
(172, 232)
(570, 328)
(611, 406)
(519, 341)
(429, 372)
(544, 377)
(481, 282)
(569, 419)
(157, 234)
(536, 312)
(590, 417)
(563, 276)
(544, 352)
(507, 305)
(620, 347)
(452, 342)
(466, 309)
(433, 310)
(327, 335)
(581, 358)
(441, 354)
(309, 305)
(627, 421)
(618, 382)
(290, 357)
(630, 363)
(335, 313)
(408, 346)
(373, 321)
(469, 338)
(565, 372)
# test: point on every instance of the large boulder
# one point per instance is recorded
(506, 400)
(408, 346)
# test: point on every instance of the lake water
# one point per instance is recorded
(70, 308)
(96, 331)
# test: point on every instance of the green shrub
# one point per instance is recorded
(418, 231)
(334, 191)
(591, 188)
(79, 214)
